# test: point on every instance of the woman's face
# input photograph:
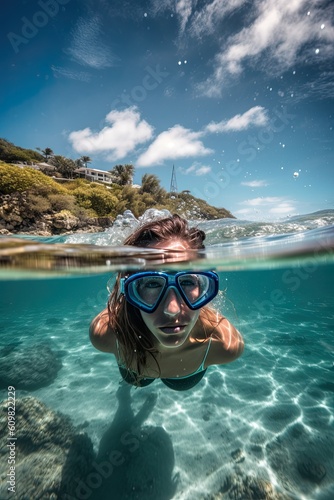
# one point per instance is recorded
(172, 322)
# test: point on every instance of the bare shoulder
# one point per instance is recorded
(227, 342)
(100, 333)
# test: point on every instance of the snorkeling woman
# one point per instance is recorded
(158, 324)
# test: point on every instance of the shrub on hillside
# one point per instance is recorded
(13, 178)
(62, 202)
(37, 204)
(11, 153)
(97, 198)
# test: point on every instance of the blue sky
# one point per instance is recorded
(238, 95)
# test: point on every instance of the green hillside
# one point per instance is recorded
(49, 195)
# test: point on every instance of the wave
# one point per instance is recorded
(230, 244)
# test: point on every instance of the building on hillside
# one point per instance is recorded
(94, 174)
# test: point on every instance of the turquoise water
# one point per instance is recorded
(261, 427)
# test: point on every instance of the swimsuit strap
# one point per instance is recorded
(201, 367)
(117, 347)
(119, 359)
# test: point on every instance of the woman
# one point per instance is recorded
(157, 324)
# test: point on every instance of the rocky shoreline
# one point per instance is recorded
(17, 217)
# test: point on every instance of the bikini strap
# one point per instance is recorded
(205, 356)
(118, 353)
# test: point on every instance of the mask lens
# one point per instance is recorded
(195, 287)
(147, 290)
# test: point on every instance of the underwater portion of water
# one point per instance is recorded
(261, 427)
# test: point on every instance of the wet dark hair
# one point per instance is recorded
(174, 227)
(134, 338)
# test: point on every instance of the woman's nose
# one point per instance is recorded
(172, 303)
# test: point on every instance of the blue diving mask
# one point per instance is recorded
(145, 290)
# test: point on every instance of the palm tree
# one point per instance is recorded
(47, 152)
(123, 174)
(65, 166)
(150, 184)
(85, 160)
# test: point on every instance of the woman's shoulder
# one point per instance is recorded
(101, 335)
(227, 343)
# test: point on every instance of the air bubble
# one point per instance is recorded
(145, 15)
(317, 51)
(322, 26)
(296, 175)
(179, 63)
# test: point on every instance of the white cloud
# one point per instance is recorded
(275, 37)
(204, 21)
(263, 201)
(319, 88)
(125, 132)
(194, 19)
(59, 71)
(197, 169)
(255, 183)
(203, 170)
(184, 10)
(256, 116)
(270, 207)
(87, 47)
(177, 142)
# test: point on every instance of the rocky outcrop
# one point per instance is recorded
(51, 456)
(241, 487)
(17, 216)
(28, 367)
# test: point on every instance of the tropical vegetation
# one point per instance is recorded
(49, 191)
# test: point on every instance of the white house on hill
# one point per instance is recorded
(94, 174)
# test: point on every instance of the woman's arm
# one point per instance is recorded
(100, 333)
(227, 343)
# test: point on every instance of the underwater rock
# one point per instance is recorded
(242, 487)
(311, 470)
(28, 367)
(238, 456)
(7, 349)
(51, 456)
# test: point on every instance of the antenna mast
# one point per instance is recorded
(173, 186)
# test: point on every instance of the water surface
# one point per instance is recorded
(262, 423)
